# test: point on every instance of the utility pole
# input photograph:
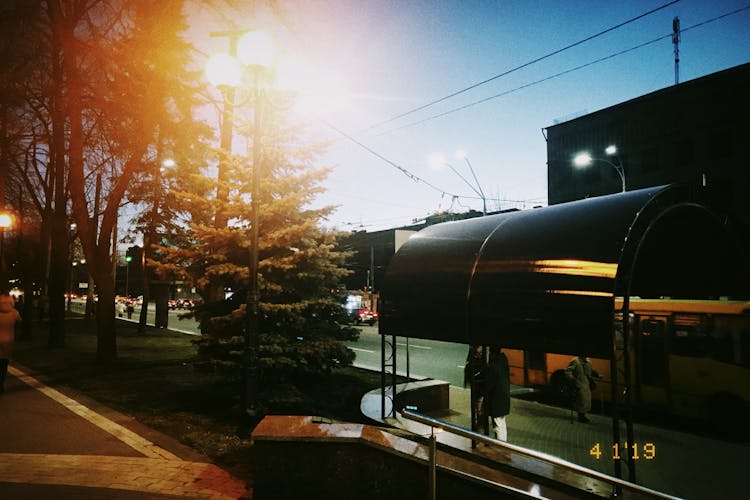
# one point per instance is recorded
(676, 43)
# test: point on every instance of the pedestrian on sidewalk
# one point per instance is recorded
(474, 377)
(120, 308)
(582, 374)
(9, 318)
(498, 392)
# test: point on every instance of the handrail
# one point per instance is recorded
(460, 431)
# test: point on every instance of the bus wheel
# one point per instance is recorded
(728, 416)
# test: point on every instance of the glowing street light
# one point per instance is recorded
(255, 52)
(584, 159)
(6, 220)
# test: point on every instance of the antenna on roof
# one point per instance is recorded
(676, 43)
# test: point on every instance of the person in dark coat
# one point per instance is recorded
(474, 377)
(581, 374)
(498, 392)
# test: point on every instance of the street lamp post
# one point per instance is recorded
(438, 159)
(462, 155)
(128, 259)
(583, 160)
(255, 53)
(73, 265)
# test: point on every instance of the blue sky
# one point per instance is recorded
(395, 56)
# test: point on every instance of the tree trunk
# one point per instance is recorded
(57, 281)
(146, 283)
(106, 345)
(59, 233)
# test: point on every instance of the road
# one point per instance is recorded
(188, 325)
(427, 358)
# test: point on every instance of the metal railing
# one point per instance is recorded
(617, 483)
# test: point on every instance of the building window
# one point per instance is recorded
(683, 154)
(721, 144)
(650, 160)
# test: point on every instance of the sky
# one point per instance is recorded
(387, 58)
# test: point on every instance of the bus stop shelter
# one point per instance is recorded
(546, 279)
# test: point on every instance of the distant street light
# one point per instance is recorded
(584, 159)
(128, 259)
(255, 52)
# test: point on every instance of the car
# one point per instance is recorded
(366, 316)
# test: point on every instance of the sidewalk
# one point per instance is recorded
(54, 446)
(683, 465)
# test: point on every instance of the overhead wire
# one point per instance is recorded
(454, 196)
(529, 63)
(557, 75)
(408, 173)
(403, 170)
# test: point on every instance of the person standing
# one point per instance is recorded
(498, 392)
(474, 377)
(9, 317)
(582, 374)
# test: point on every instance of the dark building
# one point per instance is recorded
(372, 251)
(695, 132)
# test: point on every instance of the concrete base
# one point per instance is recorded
(304, 457)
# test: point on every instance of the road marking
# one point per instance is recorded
(415, 346)
(135, 441)
(363, 350)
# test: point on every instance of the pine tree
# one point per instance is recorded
(301, 321)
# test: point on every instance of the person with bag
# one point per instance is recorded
(581, 374)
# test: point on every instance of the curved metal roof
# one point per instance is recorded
(545, 279)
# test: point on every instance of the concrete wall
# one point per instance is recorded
(302, 457)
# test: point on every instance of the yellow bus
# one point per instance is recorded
(688, 357)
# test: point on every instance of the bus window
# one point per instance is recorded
(690, 338)
(653, 362)
(619, 336)
(731, 336)
(536, 360)
(723, 347)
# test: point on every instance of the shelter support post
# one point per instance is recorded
(387, 375)
(622, 407)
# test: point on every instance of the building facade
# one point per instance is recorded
(693, 132)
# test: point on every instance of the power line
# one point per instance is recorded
(562, 73)
(411, 175)
(534, 61)
(404, 171)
